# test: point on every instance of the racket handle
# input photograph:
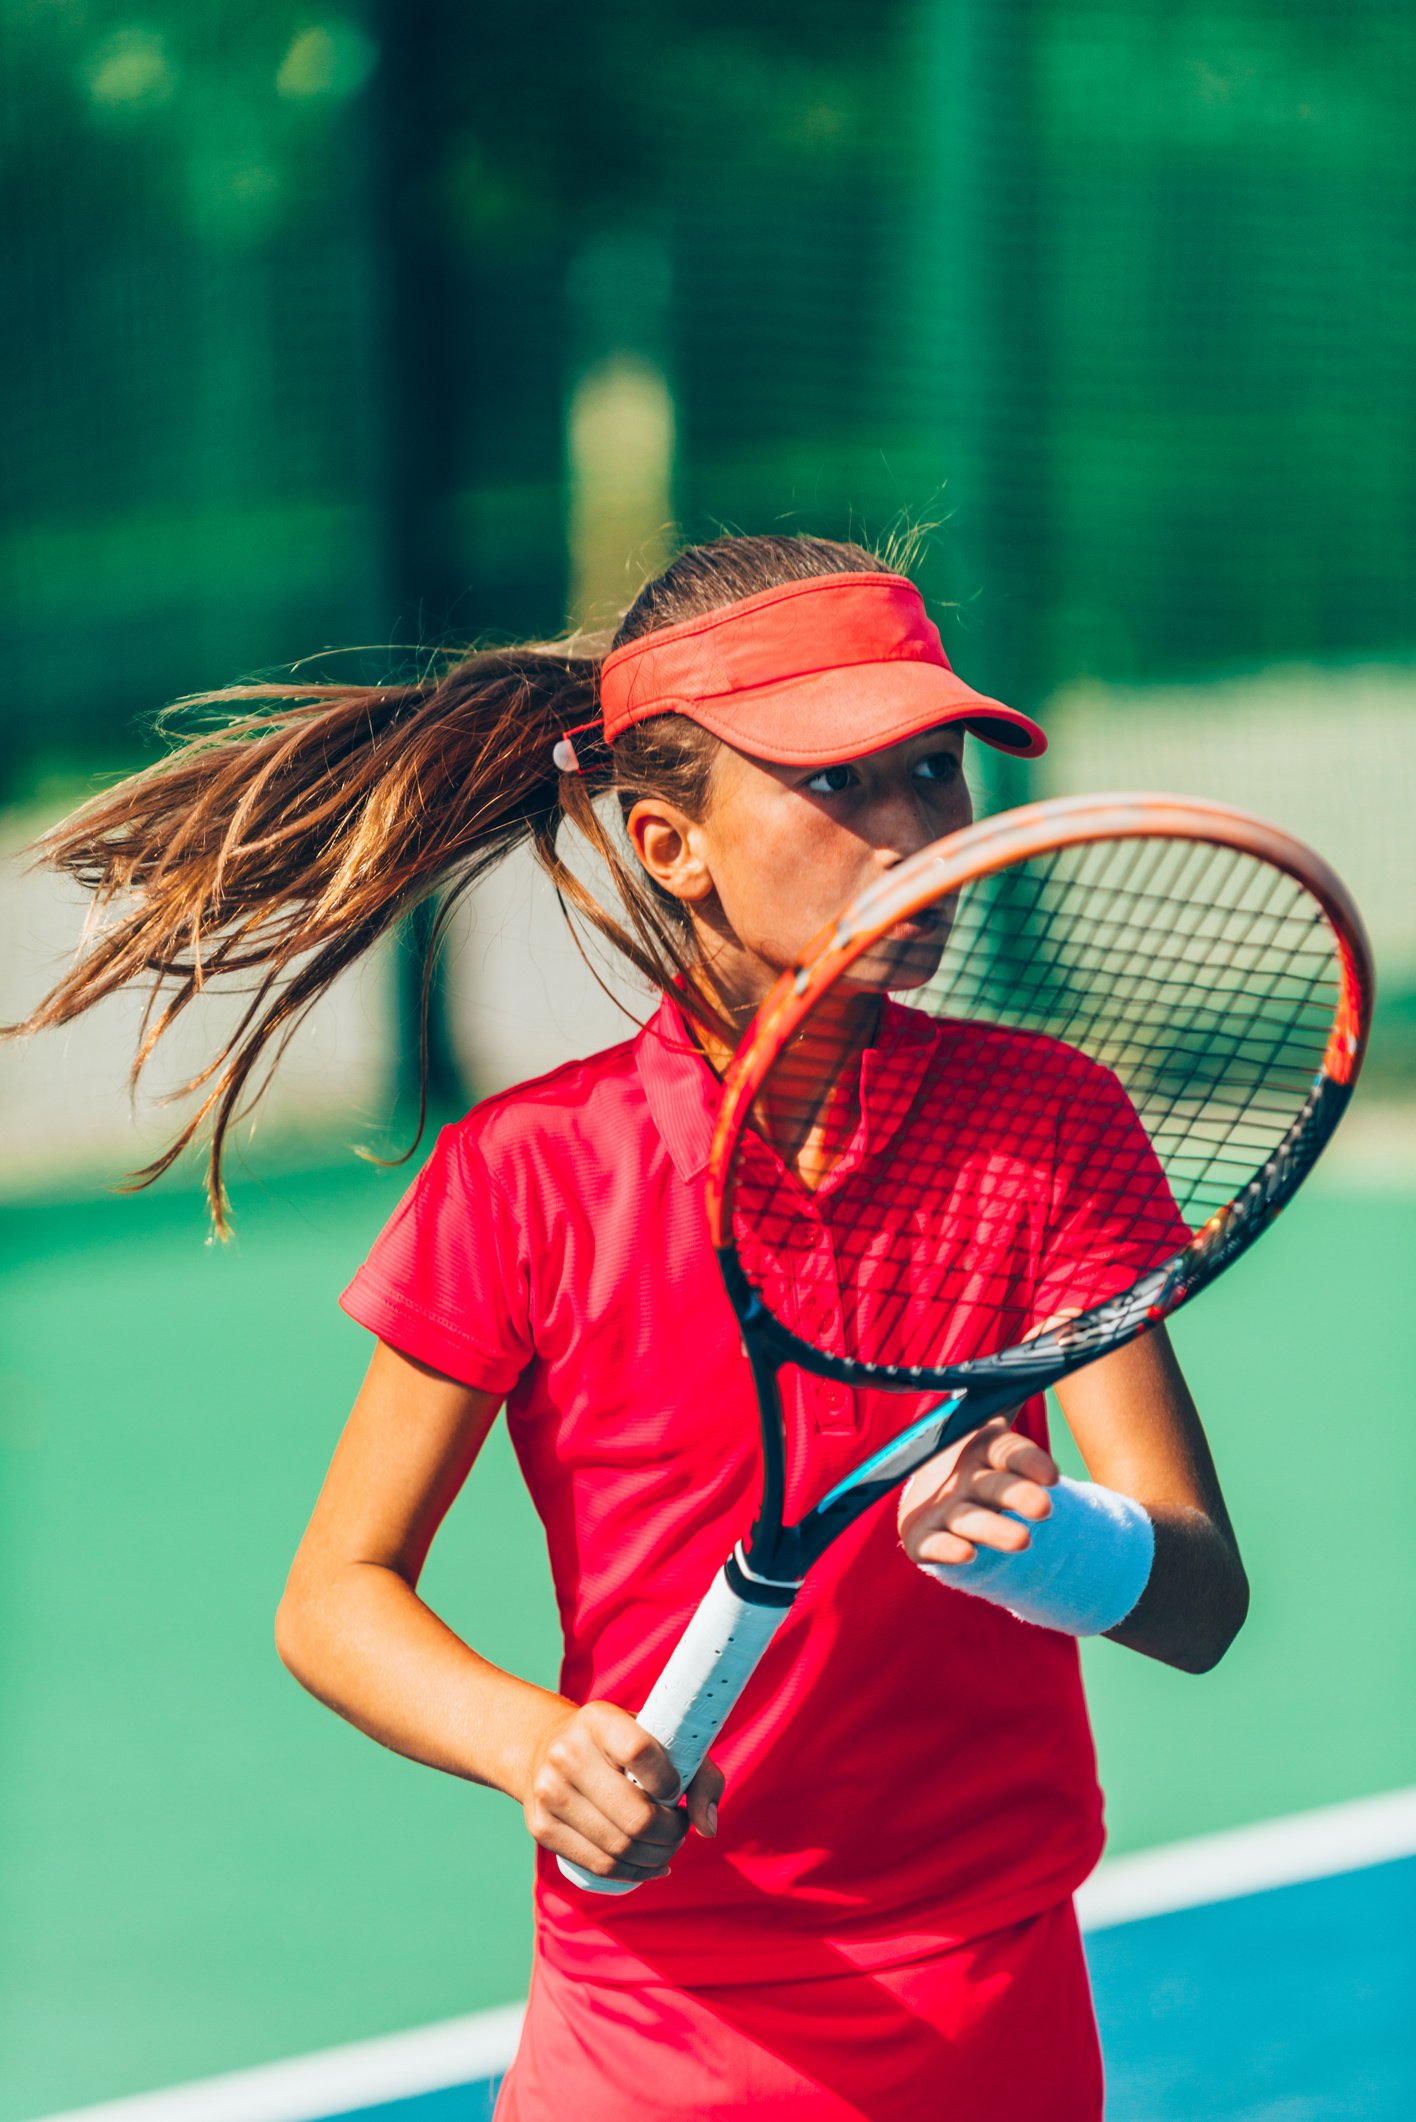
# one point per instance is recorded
(711, 1664)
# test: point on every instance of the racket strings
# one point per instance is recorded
(1111, 1041)
(1204, 979)
(1148, 1011)
(1113, 962)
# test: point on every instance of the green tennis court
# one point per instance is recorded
(206, 1871)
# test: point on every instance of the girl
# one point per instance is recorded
(881, 1922)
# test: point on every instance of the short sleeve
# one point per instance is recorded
(1112, 1215)
(447, 1279)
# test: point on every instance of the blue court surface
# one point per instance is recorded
(1262, 1974)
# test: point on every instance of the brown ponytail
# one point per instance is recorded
(285, 840)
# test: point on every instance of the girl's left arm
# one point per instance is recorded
(1137, 1429)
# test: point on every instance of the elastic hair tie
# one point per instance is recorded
(563, 755)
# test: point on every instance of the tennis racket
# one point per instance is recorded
(1126, 1027)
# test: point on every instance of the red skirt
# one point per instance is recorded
(1002, 2025)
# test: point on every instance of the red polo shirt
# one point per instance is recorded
(909, 1767)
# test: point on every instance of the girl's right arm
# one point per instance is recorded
(352, 1630)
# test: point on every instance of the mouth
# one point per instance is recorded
(915, 927)
(907, 954)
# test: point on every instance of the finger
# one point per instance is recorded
(633, 1749)
(941, 1547)
(703, 1794)
(1069, 1311)
(986, 1528)
(566, 1841)
(628, 1810)
(1019, 1454)
(577, 1769)
(998, 1488)
(981, 1440)
(649, 1849)
(576, 1788)
(952, 1463)
(1009, 1491)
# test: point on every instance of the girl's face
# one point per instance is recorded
(782, 849)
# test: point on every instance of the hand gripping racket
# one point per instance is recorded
(1132, 1023)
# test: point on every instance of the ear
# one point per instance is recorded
(668, 844)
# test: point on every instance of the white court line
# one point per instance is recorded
(1207, 1868)
(332, 2081)
(1250, 1860)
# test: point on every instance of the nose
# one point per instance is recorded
(903, 823)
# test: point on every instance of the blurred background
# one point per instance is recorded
(339, 334)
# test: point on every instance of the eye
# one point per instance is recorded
(830, 780)
(939, 766)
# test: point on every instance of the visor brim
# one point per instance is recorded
(825, 718)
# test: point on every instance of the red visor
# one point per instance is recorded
(807, 674)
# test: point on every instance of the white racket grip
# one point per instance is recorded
(689, 1703)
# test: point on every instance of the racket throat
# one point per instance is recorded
(758, 1583)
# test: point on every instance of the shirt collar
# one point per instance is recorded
(683, 1093)
(681, 1088)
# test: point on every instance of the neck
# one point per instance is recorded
(808, 1107)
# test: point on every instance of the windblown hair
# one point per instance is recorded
(282, 840)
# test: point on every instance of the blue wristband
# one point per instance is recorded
(1083, 1570)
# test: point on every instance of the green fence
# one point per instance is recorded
(419, 324)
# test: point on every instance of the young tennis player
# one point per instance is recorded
(864, 1908)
